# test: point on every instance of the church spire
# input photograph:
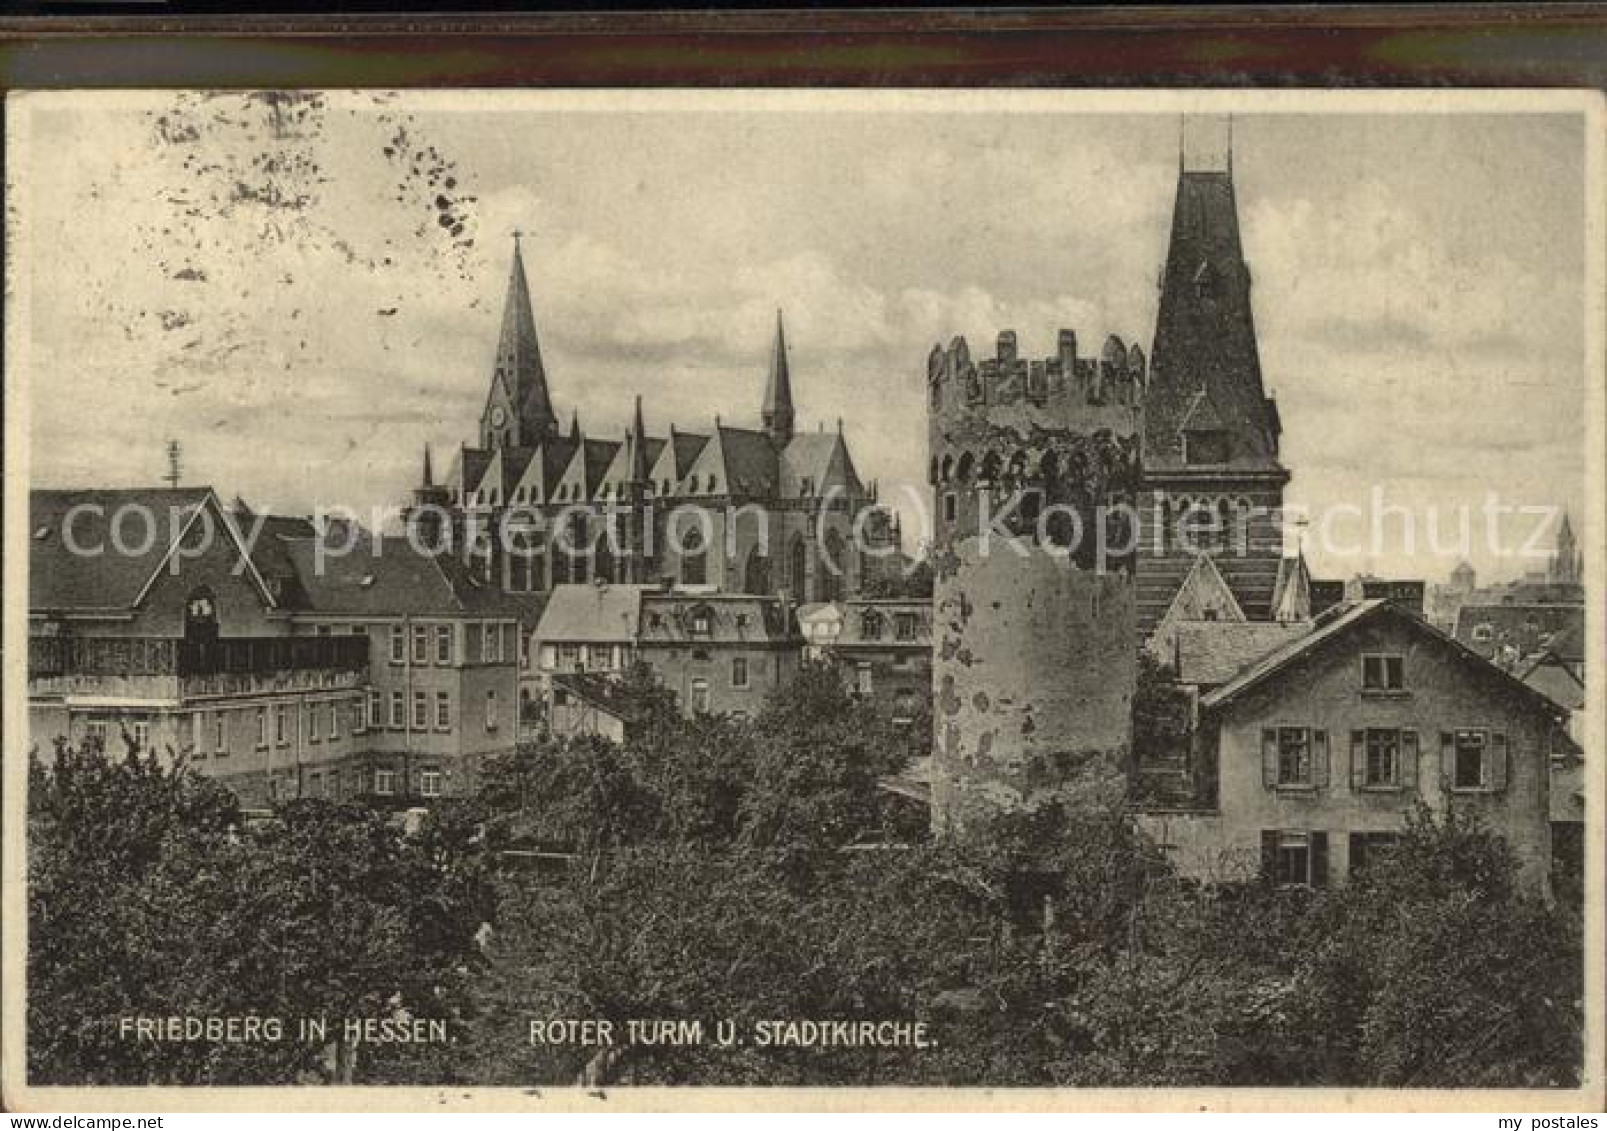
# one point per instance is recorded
(777, 413)
(637, 469)
(519, 409)
(429, 475)
(574, 424)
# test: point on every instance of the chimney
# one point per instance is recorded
(1007, 345)
(1066, 348)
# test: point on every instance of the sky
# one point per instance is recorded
(304, 292)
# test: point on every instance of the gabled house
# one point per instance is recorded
(1310, 757)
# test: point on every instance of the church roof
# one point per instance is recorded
(820, 457)
(1205, 341)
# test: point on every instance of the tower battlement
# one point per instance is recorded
(958, 383)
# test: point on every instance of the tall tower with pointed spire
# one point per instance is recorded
(777, 414)
(518, 408)
(1213, 480)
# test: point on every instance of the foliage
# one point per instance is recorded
(149, 899)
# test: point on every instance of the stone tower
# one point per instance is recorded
(1034, 470)
(1213, 482)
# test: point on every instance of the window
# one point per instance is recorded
(1294, 758)
(870, 625)
(903, 705)
(569, 657)
(443, 710)
(384, 782)
(701, 621)
(1473, 760)
(490, 710)
(262, 727)
(374, 719)
(739, 671)
(700, 696)
(334, 721)
(549, 657)
(1382, 673)
(862, 679)
(141, 733)
(398, 645)
(904, 625)
(421, 710)
(1383, 758)
(948, 506)
(281, 724)
(315, 784)
(219, 733)
(95, 732)
(398, 710)
(600, 657)
(1297, 859)
(1366, 849)
(443, 644)
(430, 783)
(324, 630)
(488, 644)
(1483, 633)
(524, 650)
(312, 723)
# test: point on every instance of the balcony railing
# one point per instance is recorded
(163, 656)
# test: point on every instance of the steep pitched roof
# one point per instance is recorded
(62, 580)
(777, 411)
(741, 462)
(519, 364)
(1205, 340)
(822, 459)
(389, 577)
(1339, 623)
(590, 614)
(1291, 595)
(1208, 654)
(1553, 678)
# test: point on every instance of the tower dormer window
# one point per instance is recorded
(1202, 446)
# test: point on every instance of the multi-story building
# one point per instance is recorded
(291, 670)
(721, 653)
(764, 510)
(884, 648)
(150, 622)
(1311, 756)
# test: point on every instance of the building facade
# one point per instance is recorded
(1312, 756)
(883, 647)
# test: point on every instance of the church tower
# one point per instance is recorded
(1213, 482)
(777, 413)
(518, 409)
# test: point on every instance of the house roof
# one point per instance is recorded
(1528, 628)
(1338, 623)
(590, 614)
(61, 580)
(854, 623)
(1554, 679)
(1209, 653)
(667, 618)
(389, 577)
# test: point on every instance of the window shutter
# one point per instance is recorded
(1358, 759)
(1319, 759)
(1447, 759)
(1496, 776)
(1319, 860)
(1269, 854)
(1408, 759)
(1269, 757)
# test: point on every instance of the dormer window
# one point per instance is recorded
(1205, 446)
(701, 621)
